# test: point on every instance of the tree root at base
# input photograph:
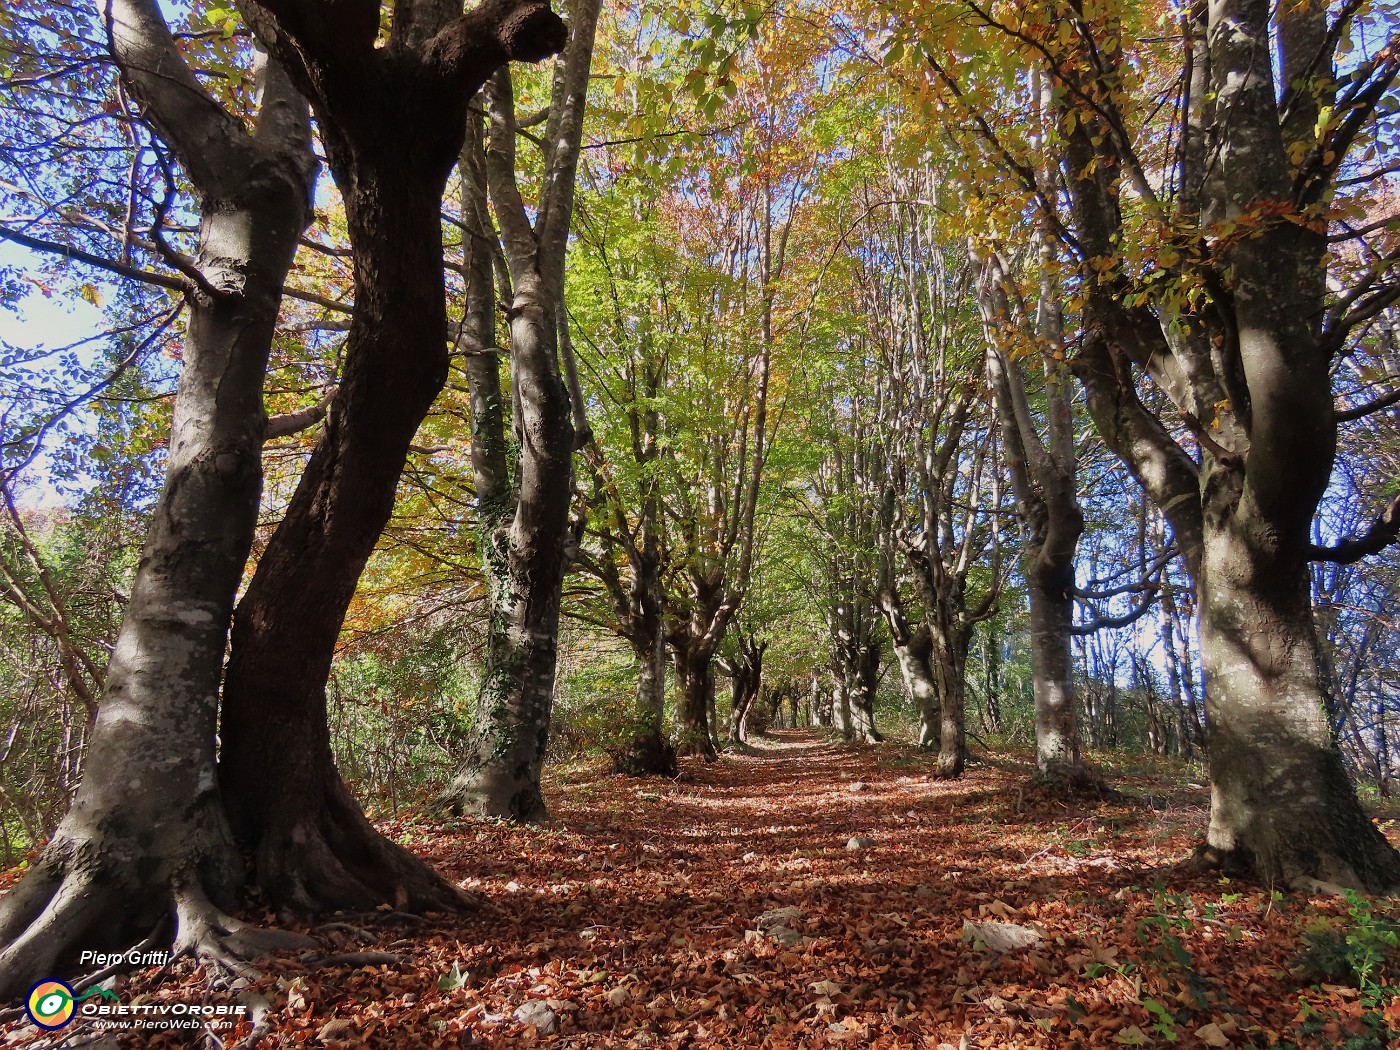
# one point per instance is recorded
(335, 860)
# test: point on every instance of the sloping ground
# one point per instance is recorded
(635, 921)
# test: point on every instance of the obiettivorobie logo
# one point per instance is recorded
(53, 1004)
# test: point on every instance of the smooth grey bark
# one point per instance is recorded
(650, 749)
(392, 115)
(527, 541)
(819, 702)
(913, 650)
(1248, 369)
(146, 836)
(1044, 482)
(863, 678)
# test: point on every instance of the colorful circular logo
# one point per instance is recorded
(50, 1004)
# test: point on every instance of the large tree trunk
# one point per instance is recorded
(912, 651)
(949, 662)
(819, 704)
(146, 836)
(393, 120)
(1282, 804)
(695, 675)
(529, 553)
(841, 705)
(1050, 583)
(649, 752)
(864, 677)
(312, 846)
(528, 545)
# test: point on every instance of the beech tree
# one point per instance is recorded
(392, 112)
(943, 492)
(523, 507)
(626, 548)
(146, 836)
(1202, 256)
(1044, 482)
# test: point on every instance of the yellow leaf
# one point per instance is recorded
(91, 293)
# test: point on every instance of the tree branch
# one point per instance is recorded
(1384, 531)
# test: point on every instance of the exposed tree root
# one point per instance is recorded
(330, 858)
(1078, 782)
(205, 933)
(72, 905)
(1305, 871)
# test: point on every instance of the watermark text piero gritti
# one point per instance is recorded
(134, 957)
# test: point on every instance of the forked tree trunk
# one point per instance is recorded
(313, 847)
(528, 545)
(695, 675)
(146, 837)
(746, 675)
(393, 119)
(1044, 479)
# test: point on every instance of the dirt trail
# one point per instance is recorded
(634, 920)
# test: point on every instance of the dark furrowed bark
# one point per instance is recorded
(696, 676)
(314, 848)
(393, 120)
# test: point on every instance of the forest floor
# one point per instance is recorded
(643, 916)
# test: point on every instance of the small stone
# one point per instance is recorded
(781, 917)
(858, 842)
(859, 785)
(537, 1013)
(333, 1030)
(786, 937)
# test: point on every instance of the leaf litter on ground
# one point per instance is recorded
(723, 909)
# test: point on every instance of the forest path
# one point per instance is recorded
(633, 919)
